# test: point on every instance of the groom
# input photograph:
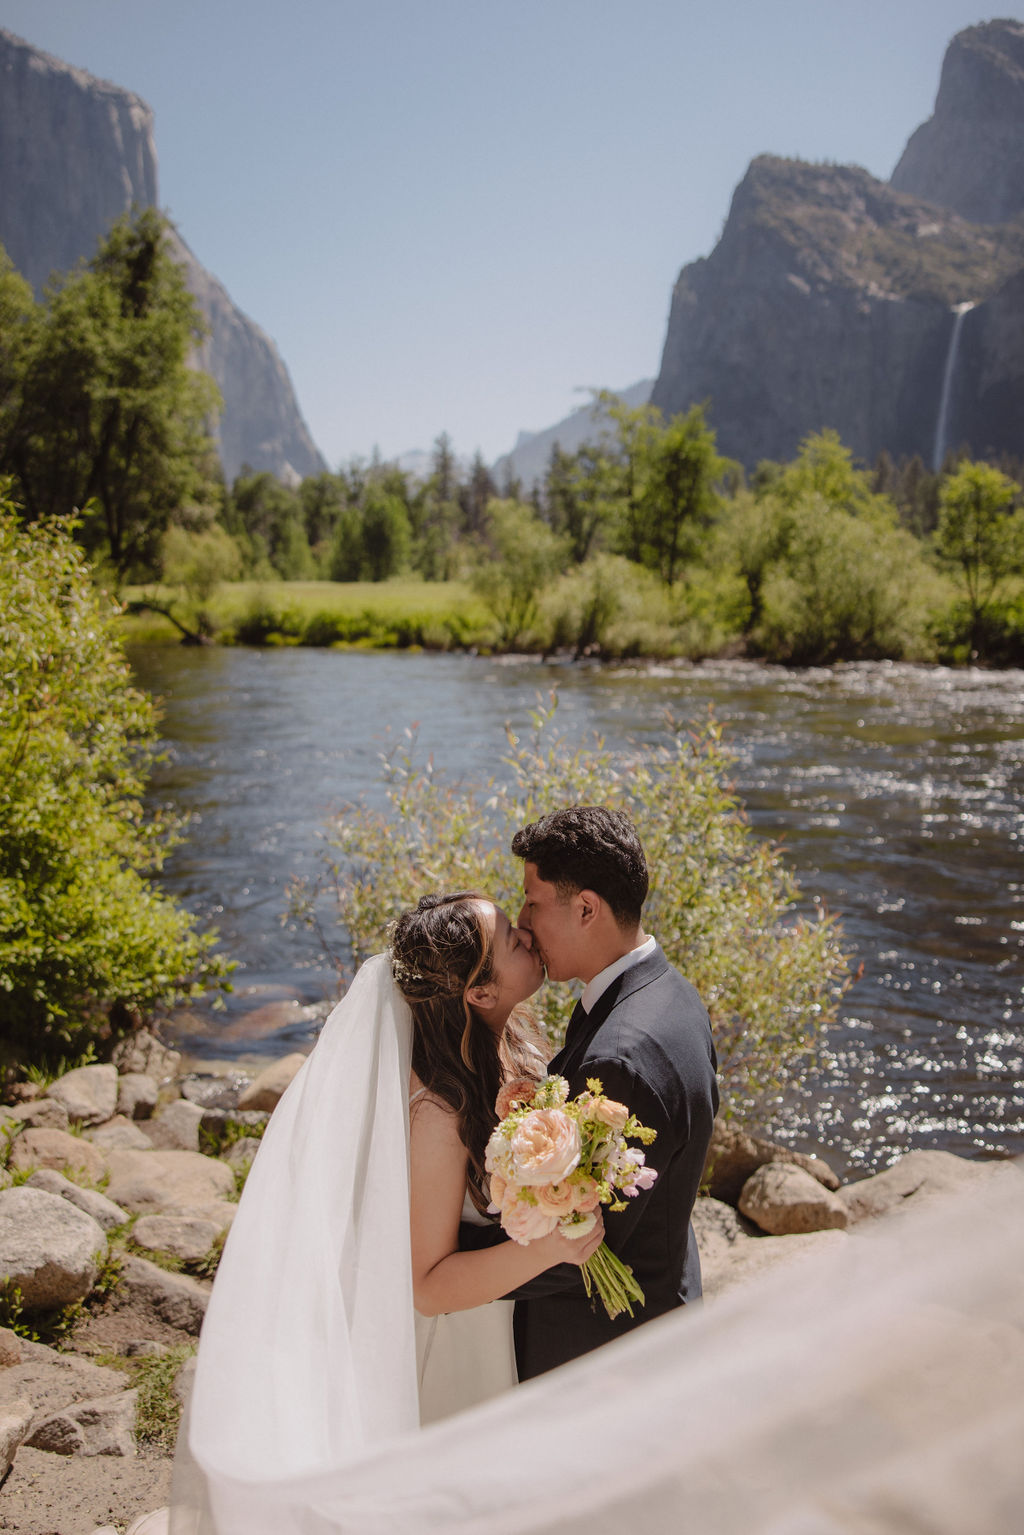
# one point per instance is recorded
(639, 1027)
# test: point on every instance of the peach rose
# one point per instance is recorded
(519, 1090)
(545, 1147)
(525, 1222)
(610, 1113)
(498, 1190)
(556, 1198)
(586, 1195)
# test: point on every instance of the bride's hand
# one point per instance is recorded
(576, 1250)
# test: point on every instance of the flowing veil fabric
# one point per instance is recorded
(877, 1389)
(308, 1358)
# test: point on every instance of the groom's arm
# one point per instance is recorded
(625, 1087)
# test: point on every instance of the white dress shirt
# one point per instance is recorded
(596, 988)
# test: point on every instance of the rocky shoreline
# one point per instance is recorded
(118, 1186)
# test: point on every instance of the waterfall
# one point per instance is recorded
(942, 423)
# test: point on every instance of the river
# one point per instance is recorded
(895, 789)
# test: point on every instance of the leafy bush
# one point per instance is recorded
(85, 938)
(722, 903)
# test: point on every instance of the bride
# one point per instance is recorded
(343, 1313)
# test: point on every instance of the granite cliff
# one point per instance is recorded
(832, 298)
(78, 152)
(969, 155)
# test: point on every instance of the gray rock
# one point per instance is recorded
(15, 1422)
(185, 1237)
(38, 1114)
(10, 1348)
(142, 1054)
(48, 1248)
(121, 1132)
(59, 1150)
(916, 1178)
(137, 1094)
(101, 1426)
(242, 1151)
(219, 1212)
(176, 1127)
(734, 1155)
(218, 1091)
(268, 1088)
(51, 1380)
(751, 1260)
(89, 1093)
(145, 1348)
(103, 1210)
(784, 1200)
(176, 1299)
(163, 1182)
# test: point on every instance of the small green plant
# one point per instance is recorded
(216, 1139)
(52, 1326)
(206, 1266)
(43, 1076)
(158, 1410)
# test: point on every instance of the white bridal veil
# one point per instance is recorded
(878, 1390)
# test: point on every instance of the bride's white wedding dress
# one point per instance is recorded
(464, 1357)
(880, 1387)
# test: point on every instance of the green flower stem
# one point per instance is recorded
(613, 1280)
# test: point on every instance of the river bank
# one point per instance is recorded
(163, 1212)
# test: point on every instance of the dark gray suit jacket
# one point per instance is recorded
(648, 1039)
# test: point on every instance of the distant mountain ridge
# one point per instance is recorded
(830, 299)
(77, 153)
(528, 460)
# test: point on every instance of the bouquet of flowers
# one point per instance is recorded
(552, 1160)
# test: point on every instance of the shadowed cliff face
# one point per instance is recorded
(969, 156)
(826, 303)
(77, 153)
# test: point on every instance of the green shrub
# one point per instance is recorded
(84, 936)
(722, 903)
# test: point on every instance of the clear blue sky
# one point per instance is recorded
(454, 214)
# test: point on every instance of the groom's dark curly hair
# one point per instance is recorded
(589, 847)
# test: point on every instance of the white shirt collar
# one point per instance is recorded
(596, 988)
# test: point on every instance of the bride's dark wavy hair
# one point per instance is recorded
(438, 952)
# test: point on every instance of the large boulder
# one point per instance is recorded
(48, 1248)
(267, 1089)
(734, 1155)
(37, 1114)
(51, 1380)
(59, 1150)
(155, 1182)
(103, 1210)
(188, 1237)
(176, 1127)
(15, 1422)
(143, 1054)
(89, 1093)
(176, 1299)
(10, 1348)
(121, 1132)
(137, 1093)
(101, 1426)
(784, 1200)
(917, 1178)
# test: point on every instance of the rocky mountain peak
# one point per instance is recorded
(969, 155)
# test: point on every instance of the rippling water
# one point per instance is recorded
(896, 790)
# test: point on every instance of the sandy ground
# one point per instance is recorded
(47, 1494)
(73, 1494)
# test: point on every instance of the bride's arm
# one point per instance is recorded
(445, 1279)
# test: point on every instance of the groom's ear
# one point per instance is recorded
(589, 907)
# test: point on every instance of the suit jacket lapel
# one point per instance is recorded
(583, 1026)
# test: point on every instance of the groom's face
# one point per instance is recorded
(553, 922)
